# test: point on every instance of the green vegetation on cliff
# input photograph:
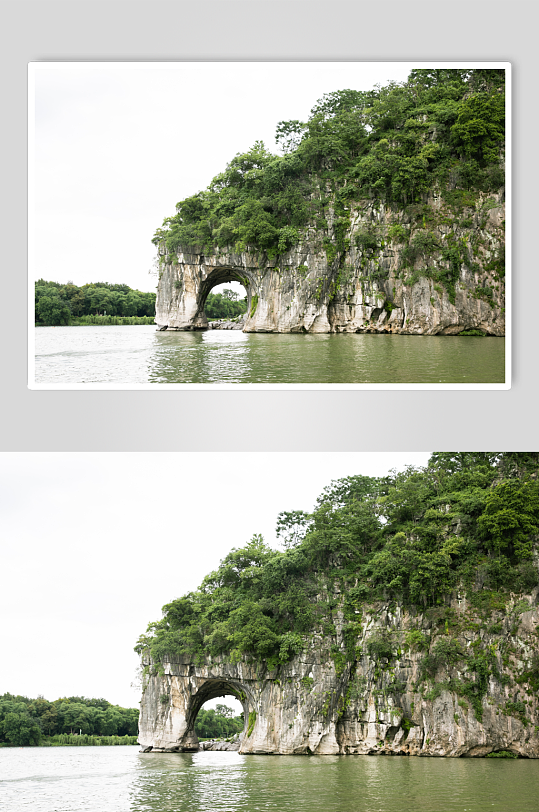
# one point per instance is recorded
(57, 304)
(26, 721)
(466, 525)
(440, 132)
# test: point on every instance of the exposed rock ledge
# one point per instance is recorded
(226, 325)
(220, 745)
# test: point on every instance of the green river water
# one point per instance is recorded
(140, 355)
(121, 779)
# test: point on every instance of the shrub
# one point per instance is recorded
(502, 754)
(254, 305)
(367, 240)
(380, 646)
(251, 723)
(422, 245)
(446, 651)
(397, 233)
(531, 675)
(416, 640)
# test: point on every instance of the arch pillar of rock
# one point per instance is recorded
(275, 302)
(175, 691)
(276, 721)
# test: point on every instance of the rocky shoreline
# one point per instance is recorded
(221, 744)
(226, 324)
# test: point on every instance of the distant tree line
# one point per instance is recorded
(218, 723)
(57, 304)
(225, 305)
(26, 721)
(101, 302)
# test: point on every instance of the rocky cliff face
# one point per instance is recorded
(457, 680)
(430, 269)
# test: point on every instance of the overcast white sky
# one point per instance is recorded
(95, 544)
(118, 145)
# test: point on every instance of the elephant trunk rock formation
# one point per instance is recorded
(323, 702)
(374, 282)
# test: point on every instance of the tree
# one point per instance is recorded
(292, 527)
(224, 710)
(289, 134)
(394, 143)
(217, 723)
(464, 521)
(20, 729)
(49, 720)
(101, 300)
(480, 126)
(222, 306)
(232, 295)
(112, 722)
(52, 311)
(54, 303)
(77, 303)
(67, 715)
(74, 716)
(131, 304)
(343, 101)
(349, 489)
(511, 518)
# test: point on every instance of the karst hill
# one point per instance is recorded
(401, 617)
(385, 212)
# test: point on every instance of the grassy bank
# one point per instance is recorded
(66, 739)
(80, 321)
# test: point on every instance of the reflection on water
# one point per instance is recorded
(120, 779)
(130, 354)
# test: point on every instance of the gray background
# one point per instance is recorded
(260, 420)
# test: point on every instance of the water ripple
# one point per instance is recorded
(140, 355)
(121, 779)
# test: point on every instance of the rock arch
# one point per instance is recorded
(174, 693)
(218, 276)
(211, 689)
(278, 299)
(295, 712)
(185, 284)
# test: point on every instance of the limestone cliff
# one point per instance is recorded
(429, 269)
(456, 680)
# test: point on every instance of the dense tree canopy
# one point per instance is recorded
(442, 129)
(218, 723)
(57, 304)
(466, 522)
(24, 721)
(225, 305)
